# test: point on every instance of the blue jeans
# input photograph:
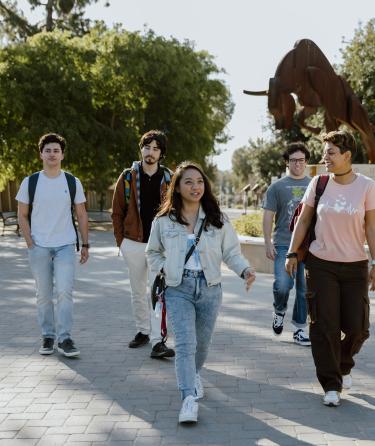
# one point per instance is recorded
(53, 270)
(192, 307)
(282, 286)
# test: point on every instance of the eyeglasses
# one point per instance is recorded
(297, 160)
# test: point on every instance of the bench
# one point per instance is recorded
(10, 219)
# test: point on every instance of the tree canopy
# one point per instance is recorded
(102, 91)
(58, 14)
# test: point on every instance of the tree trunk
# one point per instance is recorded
(49, 19)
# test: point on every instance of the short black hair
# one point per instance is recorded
(155, 135)
(343, 140)
(51, 137)
(296, 147)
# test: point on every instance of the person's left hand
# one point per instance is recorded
(84, 255)
(371, 279)
(249, 276)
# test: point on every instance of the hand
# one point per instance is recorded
(249, 276)
(270, 251)
(84, 255)
(291, 266)
(372, 279)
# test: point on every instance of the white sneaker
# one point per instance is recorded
(189, 410)
(199, 390)
(347, 381)
(301, 338)
(331, 398)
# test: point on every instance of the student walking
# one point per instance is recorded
(51, 237)
(282, 198)
(337, 270)
(189, 217)
(136, 199)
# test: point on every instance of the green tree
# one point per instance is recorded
(358, 65)
(102, 91)
(358, 68)
(59, 14)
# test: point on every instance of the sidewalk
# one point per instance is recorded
(260, 390)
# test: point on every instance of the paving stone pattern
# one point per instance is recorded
(260, 389)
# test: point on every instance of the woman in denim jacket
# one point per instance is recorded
(193, 295)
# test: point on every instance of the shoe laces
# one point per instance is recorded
(69, 343)
(301, 335)
(278, 320)
(189, 404)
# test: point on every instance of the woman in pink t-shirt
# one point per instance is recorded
(336, 267)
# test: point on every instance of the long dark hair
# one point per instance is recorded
(172, 206)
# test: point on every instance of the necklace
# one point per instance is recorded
(342, 174)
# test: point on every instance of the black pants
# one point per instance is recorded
(337, 299)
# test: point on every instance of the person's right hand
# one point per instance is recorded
(291, 266)
(270, 251)
(372, 278)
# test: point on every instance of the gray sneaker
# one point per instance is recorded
(47, 346)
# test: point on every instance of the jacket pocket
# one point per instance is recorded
(311, 306)
(169, 237)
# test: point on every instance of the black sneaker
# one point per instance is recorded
(67, 348)
(278, 323)
(160, 350)
(139, 340)
(47, 346)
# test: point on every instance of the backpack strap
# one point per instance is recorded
(320, 188)
(167, 175)
(127, 176)
(33, 180)
(72, 185)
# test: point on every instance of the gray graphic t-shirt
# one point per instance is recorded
(282, 197)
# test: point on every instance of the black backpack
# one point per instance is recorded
(33, 180)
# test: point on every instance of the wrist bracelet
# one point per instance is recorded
(291, 255)
(85, 245)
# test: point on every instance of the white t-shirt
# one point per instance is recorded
(194, 262)
(51, 218)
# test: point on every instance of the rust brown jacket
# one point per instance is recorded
(126, 220)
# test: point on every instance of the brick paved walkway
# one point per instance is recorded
(260, 390)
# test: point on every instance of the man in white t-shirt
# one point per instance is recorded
(51, 238)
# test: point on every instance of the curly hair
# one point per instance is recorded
(172, 206)
(341, 139)
(51, 137)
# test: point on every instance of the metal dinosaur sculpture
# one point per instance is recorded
(305, 72)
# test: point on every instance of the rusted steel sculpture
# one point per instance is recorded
(306, 72)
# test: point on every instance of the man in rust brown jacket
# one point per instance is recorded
(136, 199)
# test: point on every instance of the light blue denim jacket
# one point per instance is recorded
(167, 248)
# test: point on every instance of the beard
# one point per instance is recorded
(150, 160)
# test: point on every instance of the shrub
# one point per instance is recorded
(250, 224)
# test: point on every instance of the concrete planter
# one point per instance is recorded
(253, 249)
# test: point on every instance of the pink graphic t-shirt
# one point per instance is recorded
(340, 226)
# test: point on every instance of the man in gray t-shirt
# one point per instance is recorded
(282, 198)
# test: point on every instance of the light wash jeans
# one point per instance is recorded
(283, 284)
(134, 254)
(54, 270)
(192, 307)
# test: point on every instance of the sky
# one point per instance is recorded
(247, 38)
